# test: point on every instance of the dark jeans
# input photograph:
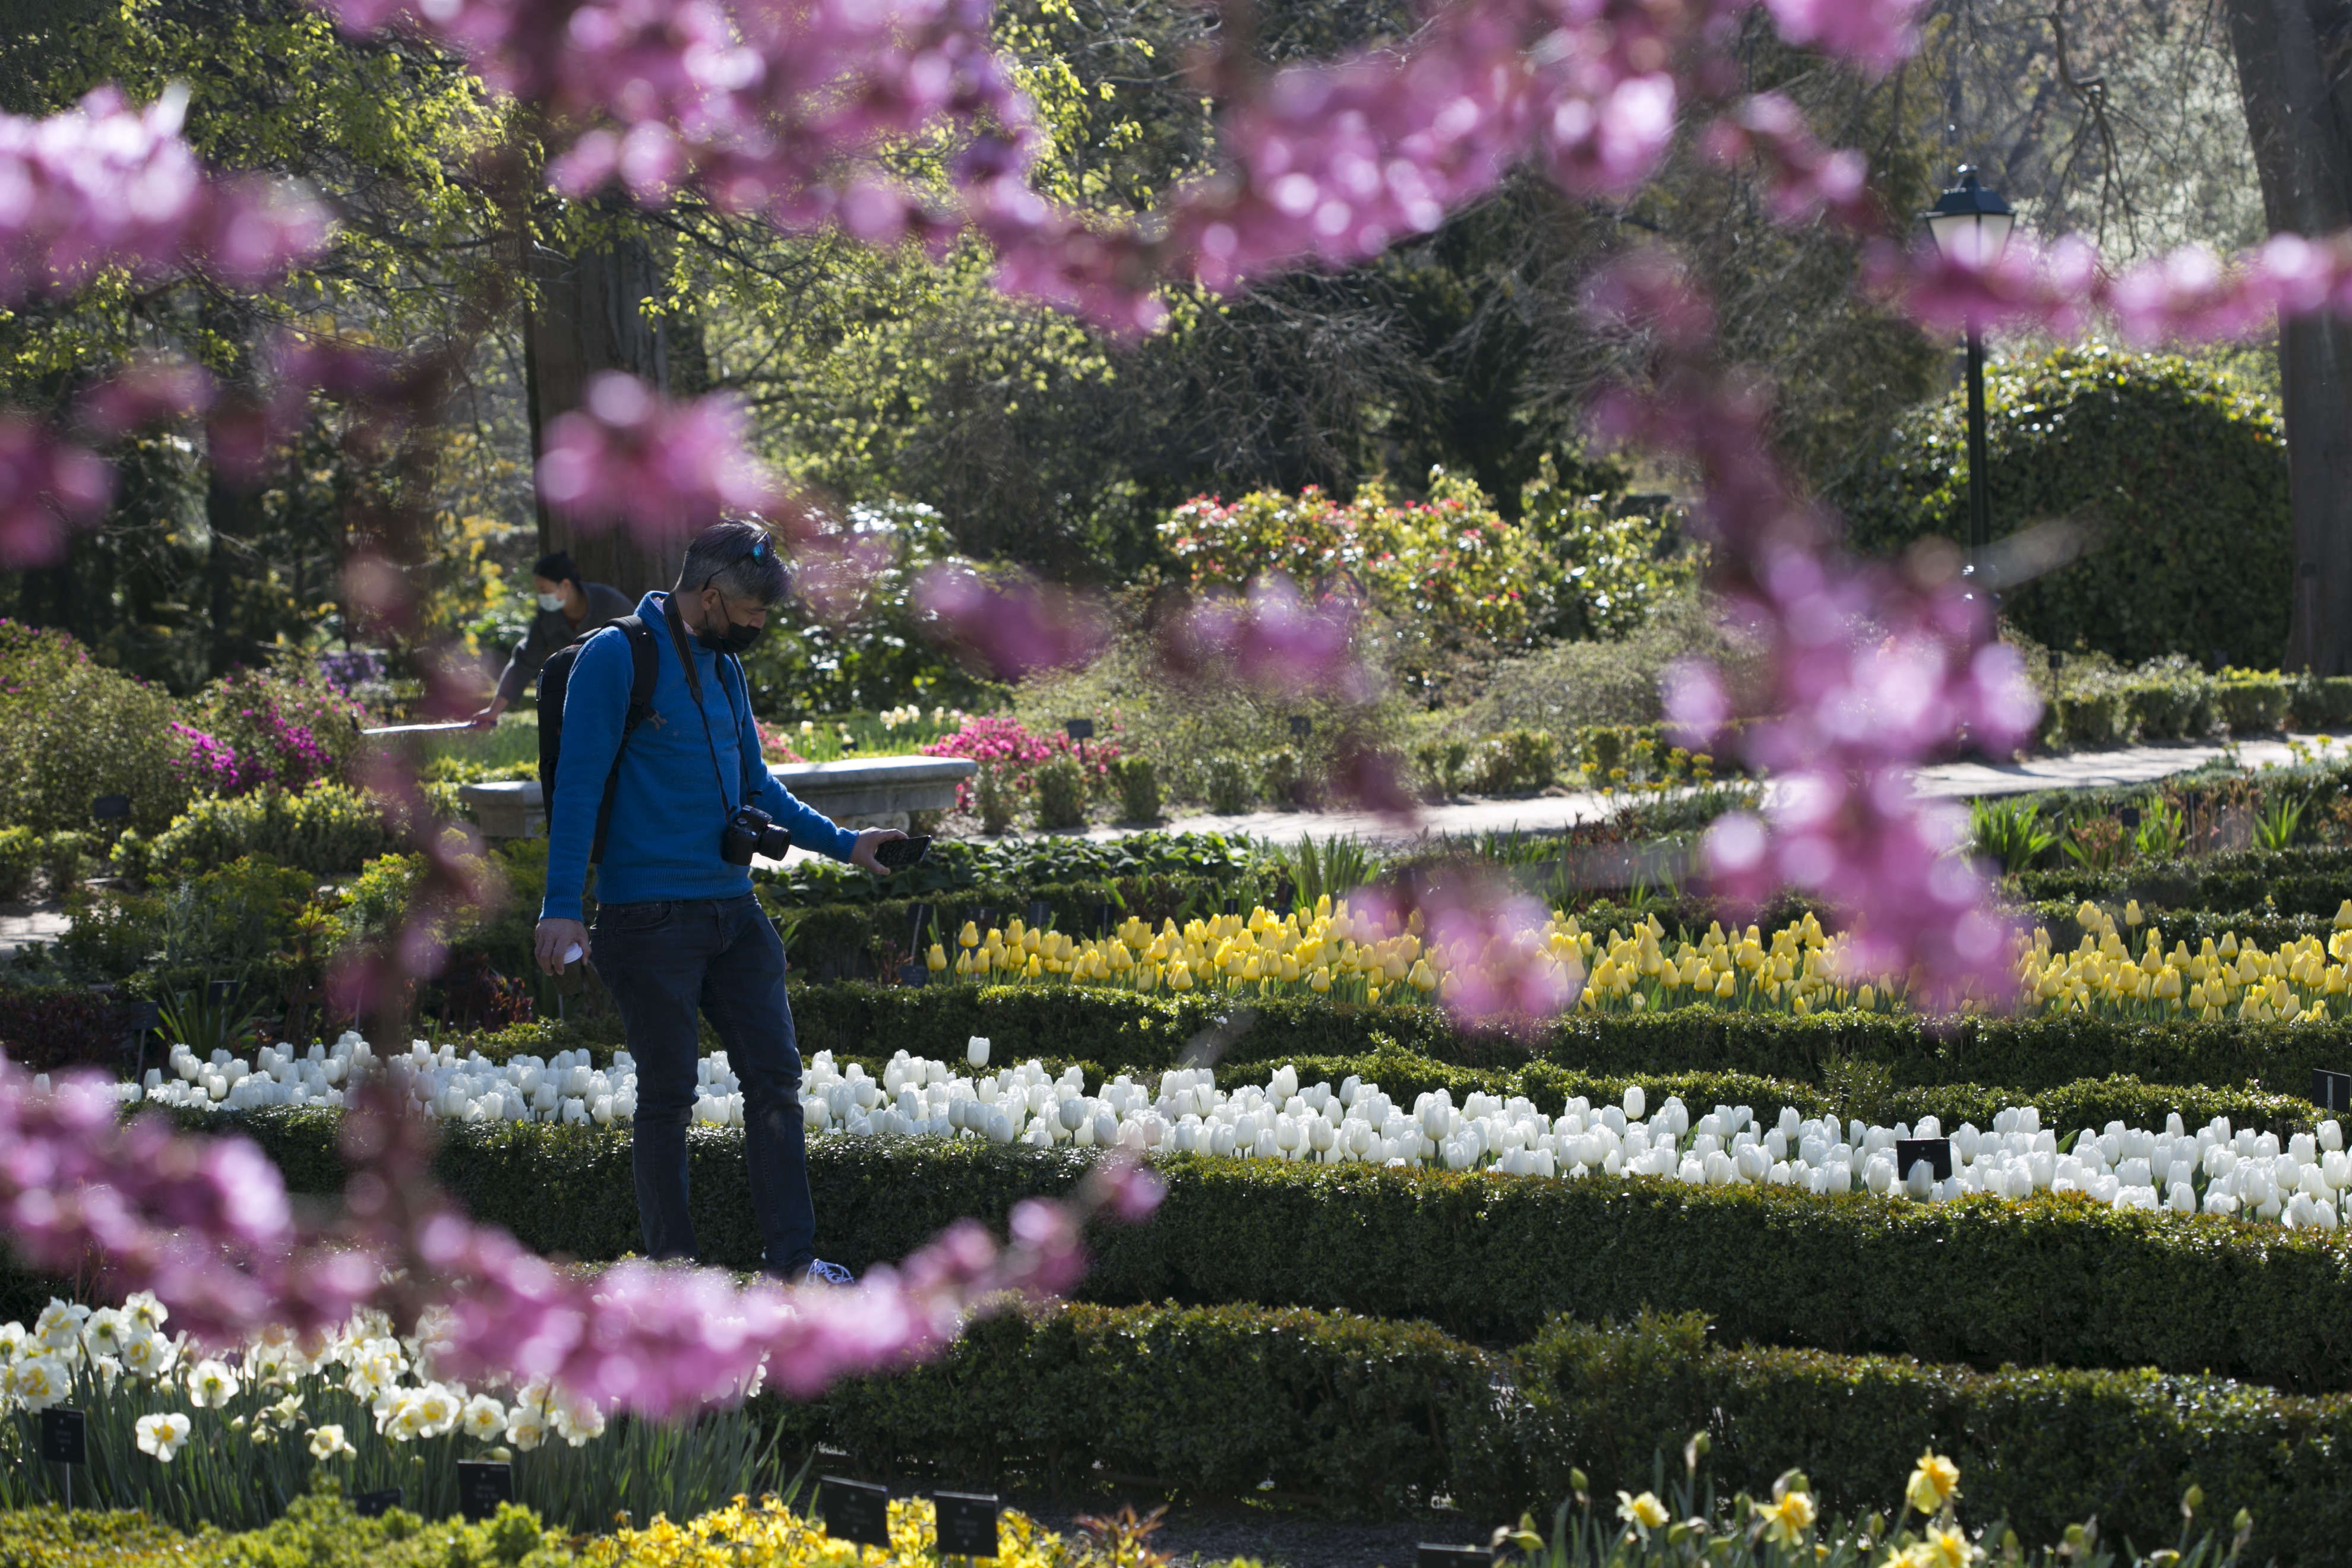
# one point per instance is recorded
(662, 962)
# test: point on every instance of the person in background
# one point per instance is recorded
(679, 935)
(568, 608)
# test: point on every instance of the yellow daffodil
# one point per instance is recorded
(1935, 1481)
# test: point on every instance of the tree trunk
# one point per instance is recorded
(590, 317)
(2294, 57)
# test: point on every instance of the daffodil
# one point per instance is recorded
(328, 1442)
(1935, 1481)
(161, 1436)
(1644, 1513)
(1789, 1517)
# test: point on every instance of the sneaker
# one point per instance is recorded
(820, 1272)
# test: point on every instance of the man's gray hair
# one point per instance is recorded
(738, 558)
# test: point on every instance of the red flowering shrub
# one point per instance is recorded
(1002, 742)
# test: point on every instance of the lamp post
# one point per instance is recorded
(1970, 223)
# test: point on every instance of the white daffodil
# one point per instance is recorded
(145, 1313)
(104, 1332)
(59, 1325)
(147, 1355)
(328, 1442)
(438, 1410)
(39, 1382)
(484, 1418)
(211, 1385)
(576, 1426)
(526, 1427)
(162, 1434)
(286, 1412)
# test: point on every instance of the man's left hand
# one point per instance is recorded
(864, 854)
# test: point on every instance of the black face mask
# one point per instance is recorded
(729, 637)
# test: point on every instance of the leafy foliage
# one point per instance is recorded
(2175, 478)
(71, 731)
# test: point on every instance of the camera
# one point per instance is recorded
(749, 832)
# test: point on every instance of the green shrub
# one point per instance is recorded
(2094, 718)
(992, 798)
(20, 860)
(2027, 1054)
(2054, 1279)
(1370, 1415)
(113, 936)
(2038, 1446)
(1061, 786)
(326, 829)
(2308, 879)
(1516, 760)
(1282, 776)
(2170, 709)
(1445, 763)
(1226, 781)
(2177, 475)
(1138, 783)
(223, 924)
(71, 731)
(2321, 702)
(2253, 704)
(64, 861)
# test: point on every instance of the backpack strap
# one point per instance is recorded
(645, 668)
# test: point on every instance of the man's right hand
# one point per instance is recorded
(553, 939)
(487, 718)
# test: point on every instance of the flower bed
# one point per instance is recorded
(322, 1531)
(2217, 1169)
(230, 1436)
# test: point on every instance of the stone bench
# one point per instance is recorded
(857, 791)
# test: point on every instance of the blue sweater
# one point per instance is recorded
(668, 809)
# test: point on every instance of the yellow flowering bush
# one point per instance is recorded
(746, 1533)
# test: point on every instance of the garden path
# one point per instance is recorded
(23, 926)
(2080, 770)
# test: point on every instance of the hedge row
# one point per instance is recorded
(1123, 1030)
(1380, 1415)
(2309, 880)
(2054, 1280)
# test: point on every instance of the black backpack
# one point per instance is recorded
(554, 676)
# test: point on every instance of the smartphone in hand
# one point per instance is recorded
(900, 853)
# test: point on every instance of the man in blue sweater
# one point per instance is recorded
(677, 928)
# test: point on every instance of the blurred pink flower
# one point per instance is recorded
(1012, 626)
(630, 455)
(102, 185)
(1270, 639)
(47, 485)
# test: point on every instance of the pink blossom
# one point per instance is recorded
(664, 468)
(147, 392)
(103, 185)
(1876, 34)
(1271, 639)
(47, 484)
(1012, 626)
(206, 1225)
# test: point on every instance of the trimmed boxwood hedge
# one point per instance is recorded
(2312, 880)
(1124, 1031)
(2055, 1279)
(1376, 1416)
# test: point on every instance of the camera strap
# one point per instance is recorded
(693, 685)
